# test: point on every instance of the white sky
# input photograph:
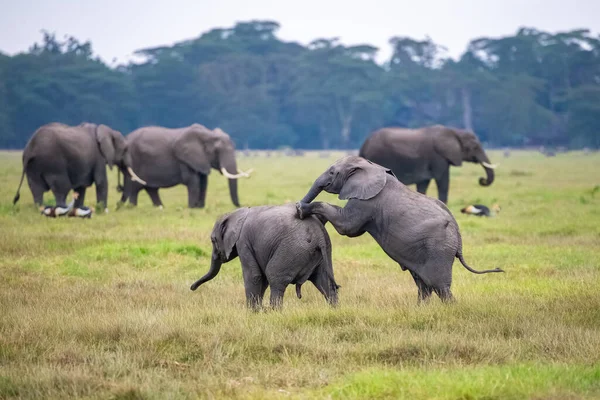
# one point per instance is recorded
(118, 27)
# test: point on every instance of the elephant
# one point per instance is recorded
(419, 155)
(416, 231)
(60, 157)
(167, 157)
(275, 249)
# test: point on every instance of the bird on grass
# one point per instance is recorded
(480, 210)
(56, 211)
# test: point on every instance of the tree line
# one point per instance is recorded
(531, 88)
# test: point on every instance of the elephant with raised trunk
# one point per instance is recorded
(166, 157)
(419, 155)
(276, 249)
(416, 231)
(60, 158)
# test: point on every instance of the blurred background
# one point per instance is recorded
(305, 75)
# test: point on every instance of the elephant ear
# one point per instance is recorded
(228, 229)
(447, 144)
(190, 148)
(364, 181)
(104, 138)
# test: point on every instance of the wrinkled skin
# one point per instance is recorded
(61, 158)
(416, 156)
(275, 249)
(416, 231)
(167, 157)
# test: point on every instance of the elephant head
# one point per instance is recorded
(113, 148)
(224, 237)
(351, 177)
(203, 149)
(458, 145)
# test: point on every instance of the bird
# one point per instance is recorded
(56, 211)
(480, 210)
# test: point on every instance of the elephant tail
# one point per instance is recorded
(18, 195)
(464, 263)
(299, 290)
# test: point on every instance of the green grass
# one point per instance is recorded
(101, 308)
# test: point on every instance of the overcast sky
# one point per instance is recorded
(118, 27)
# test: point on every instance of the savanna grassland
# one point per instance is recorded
(101, 308)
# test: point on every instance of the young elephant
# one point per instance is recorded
(416, 231)
(276, 249)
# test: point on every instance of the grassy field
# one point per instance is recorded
(101, 308)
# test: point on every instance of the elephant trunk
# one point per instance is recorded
(489, 170)
(215, 267)
(314, 191)
(233, 192)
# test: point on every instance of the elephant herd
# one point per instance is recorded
(416, 231)
(61, 158)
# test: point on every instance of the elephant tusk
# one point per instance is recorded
(247, 173)
(231, 176)
(134, 177)
(490, 166)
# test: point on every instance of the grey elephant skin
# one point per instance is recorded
(416, 231)
(60, 158)
(416, 156)
(275, 249)
(166, 157)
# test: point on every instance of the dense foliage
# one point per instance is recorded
(533, 88)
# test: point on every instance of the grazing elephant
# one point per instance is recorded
(60, 157)
(167, 157)
(419, 155)
(416, 231)
(276, 249)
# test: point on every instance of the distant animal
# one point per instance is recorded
(416, 156)
(480, 210)
(416, 231)
(276, 249)
(166, 157)
(61, 158)
(70, 210)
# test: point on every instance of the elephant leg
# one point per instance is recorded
(81, 196)
(203, 186)
(135, 191)
(322, 282)
(443, 184)
(37, 187)
(102, 194)
(126, 187)
(436, 272)
(347, 221)
(153, 193)
(60, 187)
(277, 293)
(424, 290)
(444, 294)
(255, 282)
(422, 186)
(280, 271)
(193, 187)
(255, 290)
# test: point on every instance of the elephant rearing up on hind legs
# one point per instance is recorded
(166, 157)
(419, 155)
(416, 231)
